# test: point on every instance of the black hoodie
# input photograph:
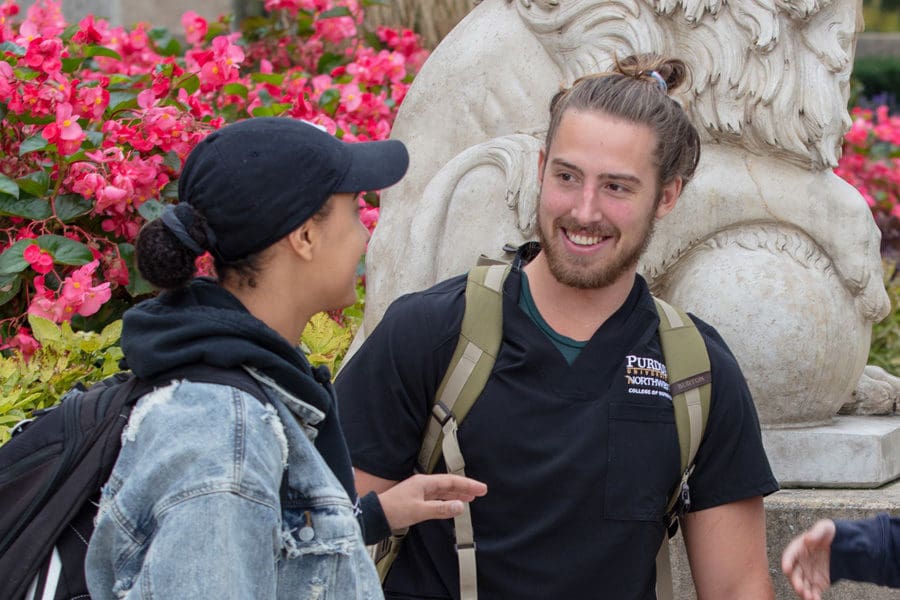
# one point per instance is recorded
(204, 323)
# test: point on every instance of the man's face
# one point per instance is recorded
(598, 199)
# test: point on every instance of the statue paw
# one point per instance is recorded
(876, 393)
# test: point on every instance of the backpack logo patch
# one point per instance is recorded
(646, 376)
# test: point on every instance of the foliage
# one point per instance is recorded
(881, 15)
(63, 358)
(871, 163)
(95, 123)
(878, 76)
(885, 349)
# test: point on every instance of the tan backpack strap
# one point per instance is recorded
(465, 378)
(472, 362)
(664, 588)
(687, 365)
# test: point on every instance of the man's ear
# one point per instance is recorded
(668, 197)
(304, 239)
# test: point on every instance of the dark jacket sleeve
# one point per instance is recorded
(867, 550)
(371, 519)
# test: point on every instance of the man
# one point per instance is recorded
(861, 550)
(579, 465)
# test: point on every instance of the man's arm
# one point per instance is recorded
(420, 497)
(726, 547)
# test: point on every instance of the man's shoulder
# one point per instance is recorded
(437, 302)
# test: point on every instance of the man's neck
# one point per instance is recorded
(574, 312)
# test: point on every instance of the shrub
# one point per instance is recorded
(96, 121)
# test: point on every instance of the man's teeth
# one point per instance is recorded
(583, 240)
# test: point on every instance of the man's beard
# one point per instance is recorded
(580, 272)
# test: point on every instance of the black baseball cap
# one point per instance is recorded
(257, 180)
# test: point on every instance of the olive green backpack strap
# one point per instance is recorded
(687, 365)
(466, 376)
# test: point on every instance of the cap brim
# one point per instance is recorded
(374, 166)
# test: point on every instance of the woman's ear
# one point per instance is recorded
(304, 239)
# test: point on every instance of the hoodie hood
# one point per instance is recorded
(204, 323)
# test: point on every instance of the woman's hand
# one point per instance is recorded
(423, 497)
(807, 560)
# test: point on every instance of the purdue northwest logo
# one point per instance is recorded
(646, 376)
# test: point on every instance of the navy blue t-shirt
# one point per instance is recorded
(579, 462)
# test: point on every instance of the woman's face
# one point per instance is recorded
(344, 239)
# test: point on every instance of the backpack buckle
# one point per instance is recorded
(441, 413)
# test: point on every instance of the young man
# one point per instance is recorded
(579, 464)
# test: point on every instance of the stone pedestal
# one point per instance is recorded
(850, 452)
(788, 513)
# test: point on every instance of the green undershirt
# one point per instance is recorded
(569, 348)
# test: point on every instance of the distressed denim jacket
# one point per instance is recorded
(193, 508)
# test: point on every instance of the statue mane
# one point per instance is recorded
(769, 76)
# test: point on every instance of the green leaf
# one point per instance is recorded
(64, 250)
(273, 78)
(8, 187)
(137, 285)
(69, 32)
(329, 99)
(236, 89)
(36, 209)
(328, 62)
(172, 160)
(11, 260)
(32, 144)
(45, 331)
(190, 84)
(71, 206)
(263, 111)
(279, 108)
(3, 111)
(151, 209)
(373, 40)
(9, 287)
(170, 191)
(338, 11)
(26, 74)
(111, 334)
(14, 49)
(35, 183)
(166, 45)
(94, 137)
(70, 65)
(375, 3)
(121, 100)
(101, 51)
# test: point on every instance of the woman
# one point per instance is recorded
(215, 493)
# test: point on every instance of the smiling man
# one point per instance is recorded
(574, 431)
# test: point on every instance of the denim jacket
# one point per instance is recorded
(193, 508)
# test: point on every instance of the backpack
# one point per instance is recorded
(51, 473)
(687, 363)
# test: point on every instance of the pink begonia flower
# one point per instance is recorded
(40, 260)
(368, 215)
(69, 129)
(195, 27)
(23, 342)
(80, 294)
(335, 29)
(47, 17)
(44, 304)
(351, 97)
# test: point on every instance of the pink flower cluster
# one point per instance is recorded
(96, 121)
(78, 295)
(871, 159)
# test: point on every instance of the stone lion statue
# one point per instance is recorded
(781, 255)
